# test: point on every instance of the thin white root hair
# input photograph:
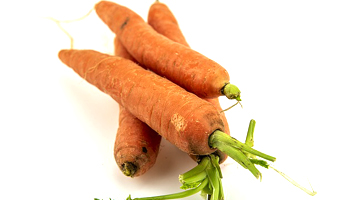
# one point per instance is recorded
(312, 193)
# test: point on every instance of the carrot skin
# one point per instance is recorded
(119, 50)
(135, 143)
(164, 22)
(180, 64)
(181, 117)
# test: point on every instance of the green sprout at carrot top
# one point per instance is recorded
(206, 176)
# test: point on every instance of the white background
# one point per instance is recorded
(289, 58)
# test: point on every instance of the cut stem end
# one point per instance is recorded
(231, 92)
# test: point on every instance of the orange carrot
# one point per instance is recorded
(194, 72)
(164, 22)
(185, 120)
(179, 116)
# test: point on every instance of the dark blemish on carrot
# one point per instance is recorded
(144, 149)
(125, 23)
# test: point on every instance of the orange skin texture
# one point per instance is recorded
(181, 117)
(178, 63)
(135, 142)
(164, 22)
(119, 50)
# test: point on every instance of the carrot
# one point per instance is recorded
(185, 120)
(164, 22)
(179, 116)
(195, 72)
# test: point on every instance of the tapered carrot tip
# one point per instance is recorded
(129, 169)
(65, 55)
(105, 10)
(62, 53)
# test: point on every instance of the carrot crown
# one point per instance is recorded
(204, 178)
(231, 92)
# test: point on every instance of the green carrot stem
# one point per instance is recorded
(207, 190)
(196, 170)
(231, 92)
(249, 141)
(175, 195)
(215, 162)
(221, 192)
(212, 176)
(262, 163)
(238, 156)
(194, 179)
(230, 141)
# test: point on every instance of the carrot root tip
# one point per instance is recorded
(129, 169)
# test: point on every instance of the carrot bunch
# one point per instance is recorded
(165, 89)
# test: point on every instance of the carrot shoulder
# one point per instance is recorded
(194, 72)
(181, 117)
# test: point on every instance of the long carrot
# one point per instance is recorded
(195, 72)
(179, 116)
(187, 121)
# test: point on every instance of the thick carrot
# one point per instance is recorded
(164, 22)
(179, 116)
(194, 72)
(187, 121)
